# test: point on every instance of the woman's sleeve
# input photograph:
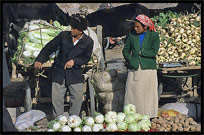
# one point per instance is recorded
(127, 49)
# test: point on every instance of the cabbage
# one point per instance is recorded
(54, 33)
(74, 121)
(62, 119)
(138, 117)
(130, 118)
(103, 130)
(55, 125)
(120, 117)
(77, 129)
(50, 130)
(86, 128)
(56, 24)
(145, 117)
(97, 127)
(44, 42)
(29, 46)
(33, 27)
(111, 127)
(129, 108)
(66, 28)
(110, 117)
(36, 53)
(133, 127)
(36, 34)
(66, 128)
(36, 37)
(122, 126)
(144, 125)
(61, 27)
(89, 121)
(27, 53)
(99, 118)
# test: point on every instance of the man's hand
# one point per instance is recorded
(38, 65)
(69, 64)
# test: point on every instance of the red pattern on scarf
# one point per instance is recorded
(146, 21)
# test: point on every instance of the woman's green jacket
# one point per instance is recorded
(149, 50)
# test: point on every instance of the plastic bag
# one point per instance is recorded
(190, 109)
(27, 119)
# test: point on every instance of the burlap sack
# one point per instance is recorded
(112, 101)
(109, 87)
(104, 77)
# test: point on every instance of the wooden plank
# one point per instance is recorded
(180, 68)
(48, 64)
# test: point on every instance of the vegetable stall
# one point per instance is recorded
(126, 121)
(179, 55)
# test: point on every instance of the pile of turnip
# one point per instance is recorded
(180, 37)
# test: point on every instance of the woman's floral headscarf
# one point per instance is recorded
(146, 21)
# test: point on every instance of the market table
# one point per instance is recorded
(182, 72)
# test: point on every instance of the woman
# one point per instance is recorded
(140, 50)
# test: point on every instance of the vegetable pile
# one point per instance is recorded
(177, 123)
(128, 120)
(34, 36)
(180, 37)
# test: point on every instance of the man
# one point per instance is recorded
(7, 121)
(75, 49)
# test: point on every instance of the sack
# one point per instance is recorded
(114, 85)
(104, 77)
(27, 119)
(112, 101)
(107, 81)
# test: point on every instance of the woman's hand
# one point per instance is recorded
(69, 64)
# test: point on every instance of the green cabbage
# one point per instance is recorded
(54, 125)
(133, 127)
(122, 126)
(111, 127)
(34, 40)
(27, 53)
(138, 117)
(120, 117)
(89, 121)
(111, 117)
(77, 129)
(144, 125)
(61, 27)
(29, 46)
(129, 108)
(38, 38)
(130, 118)
(98, 117)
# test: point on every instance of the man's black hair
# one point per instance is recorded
(79, 22)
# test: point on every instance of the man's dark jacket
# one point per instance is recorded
(80, 53)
